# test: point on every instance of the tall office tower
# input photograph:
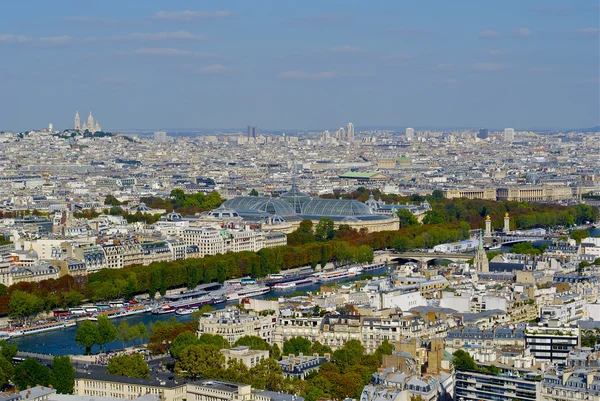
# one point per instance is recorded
(251, 132)
(350, 132)
(325, 136)
(77, 122)
(483, 133)
(509, 134)
(341, 134)
(160, 136)
(410, 134)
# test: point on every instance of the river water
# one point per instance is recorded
(62, 342)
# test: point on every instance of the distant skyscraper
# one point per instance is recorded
(251, 132)
(410, 134)
(509, 134)
(160, 136)
(341, 134)
(77, 122)
(350, 132)
(483, 133)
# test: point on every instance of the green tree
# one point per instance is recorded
(23, 304)
(437, 195)
(181, 342)
(324, 258)
(434, 217)
(386, 348)
(129, 365)
(73, 298)
(140, 332)
(578, 235)
(107, 332)
(201, 361)
(6, 371)
(8, 351)
(124, 333)
(236, 372)
(318, 348)
(110, 200)
(30, 372)
(254, 342)
(87, 335)
(275, 352)
(253, 192)
(525, 248)
(62, 377)
(364, 254)
(214, 339)
(324, 230)
(463, 361)
(267, 375)
(296, 345)
(407, 219)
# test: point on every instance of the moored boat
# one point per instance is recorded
(248, 291)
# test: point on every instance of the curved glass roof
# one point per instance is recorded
(263, 204)
(335, 207)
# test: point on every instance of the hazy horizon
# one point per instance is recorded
(312, 65)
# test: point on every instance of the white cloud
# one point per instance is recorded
(188, 15)
(295, 74)
(162, 51)
(56, 40)
(166, 36)
(323, 75)
(91, 20)
(588, 31)
(523, 32)
(213, 69)
(450, 81)
(488, 66)
(538, 69)
(344, 49)
(14, 39)
(489, 34)
(445, 67)
(496, 52)
(322, 19)
(49, 40)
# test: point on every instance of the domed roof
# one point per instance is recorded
(335, 207)
(295, 198)
(261, 204)
(294, 192)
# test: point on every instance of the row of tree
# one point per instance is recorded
(103, 332)
(30, 372)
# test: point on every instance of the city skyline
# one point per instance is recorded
(386, 64)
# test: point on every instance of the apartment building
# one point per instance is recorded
(551, 344)
(335, 330)
(233, 325)
(509, 385)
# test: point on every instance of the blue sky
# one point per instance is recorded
(300, 64)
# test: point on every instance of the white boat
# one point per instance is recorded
(284, 286)
(303, 282)
(34, 328)
(248, 291)
(163, 309)
(188, 299)
(186, 311)
(121, 312)
(338, 274)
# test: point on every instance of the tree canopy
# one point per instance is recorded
(129, 365)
